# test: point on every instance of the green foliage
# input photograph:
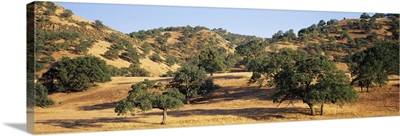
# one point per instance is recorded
(192, 81)
(130, 55)
(373, 37)
(51, 8)
(66, 14)
(231, 60)
(170, 60)
(47, 59)
(265, 68)
(76, 74)
(379, 15)
(136, 71)
(364, 16)
(39, 66)
(296, 82)
(321, 23)
(168, 74)
(161, 40)
(332, 22)
(334, 88)
(211, 61)
(394, 27)
(41, 98)
(114, 71)
(98, 25)
(156, 58)
(252, 49)
(140, 35)
(141, 99)
(111, 54)
(146, 47)
(374, 65)
(83, 47)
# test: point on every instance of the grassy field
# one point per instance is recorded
(234, 103)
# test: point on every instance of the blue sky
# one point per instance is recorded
(259, 22)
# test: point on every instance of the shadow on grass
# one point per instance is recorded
(227, 77)
(252, 113)
(85, 123)
(103, 106)
(235, 93)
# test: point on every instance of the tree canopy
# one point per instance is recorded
(76, 74)
(140, 98)
(332, 86)
(374, 65)
(192, 81)
(211, 60)
(300, 76)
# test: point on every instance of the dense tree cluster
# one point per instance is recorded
(374, 65)
(76, 74)
(293, 72)
(188, 82)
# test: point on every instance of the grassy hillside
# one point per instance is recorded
(338, 38)
(60, 33)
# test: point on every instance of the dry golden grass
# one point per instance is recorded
(234, 103)
(100, 47)
(174, 37)
(156, 68)
(342, 66)
(281, 45)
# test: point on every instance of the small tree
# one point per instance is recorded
(98, 24)
(333, 88)
(67, 13)
(192, 81)
(170, 60)
(140, 98)
(146, 48)
(136, 71)
(111, 54)
(364, 16)
(211, 61)
(374, 65)
(321, 23)
(296, 83)
(156, 58)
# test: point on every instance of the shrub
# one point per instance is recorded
(170, 60)
(66, 14)
(156, 58)
(136, 71)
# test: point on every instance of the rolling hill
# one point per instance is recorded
(60, 33)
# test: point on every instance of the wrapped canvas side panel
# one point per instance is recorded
(30, 66)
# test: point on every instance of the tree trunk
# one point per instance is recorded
(211, 74)
(322, 109)
(164, 119)
(312, 109)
